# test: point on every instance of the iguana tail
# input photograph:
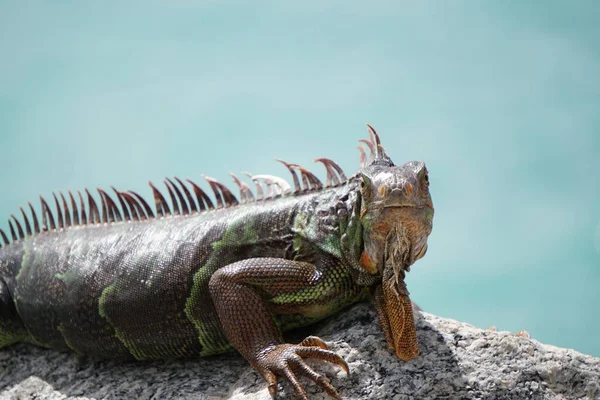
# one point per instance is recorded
(11, 327)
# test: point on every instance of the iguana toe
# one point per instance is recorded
(314, 341)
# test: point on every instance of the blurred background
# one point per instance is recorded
(501, 99)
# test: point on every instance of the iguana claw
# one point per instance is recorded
(287, 360)
(314, 341)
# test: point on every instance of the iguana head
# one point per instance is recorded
(395, 199)
(397, 218)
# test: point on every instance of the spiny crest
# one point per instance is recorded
(378, 155)
(132, 207)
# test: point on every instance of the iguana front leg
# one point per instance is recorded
(239, 292)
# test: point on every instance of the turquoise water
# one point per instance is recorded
(501, 101)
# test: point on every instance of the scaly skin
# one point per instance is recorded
(201, 283)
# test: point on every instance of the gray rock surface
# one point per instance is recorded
(457, 361)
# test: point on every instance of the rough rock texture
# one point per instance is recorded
(457, 361)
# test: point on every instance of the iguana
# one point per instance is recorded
(200, 277)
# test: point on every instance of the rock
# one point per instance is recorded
(457, 361)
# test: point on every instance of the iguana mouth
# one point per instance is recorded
(380, 205)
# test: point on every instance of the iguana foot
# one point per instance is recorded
(287, 360)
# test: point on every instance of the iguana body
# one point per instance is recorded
(198, 282)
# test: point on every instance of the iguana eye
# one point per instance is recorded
(365, 187)
(363, 182)
(426, 180)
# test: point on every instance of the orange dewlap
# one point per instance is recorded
(402, 324)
